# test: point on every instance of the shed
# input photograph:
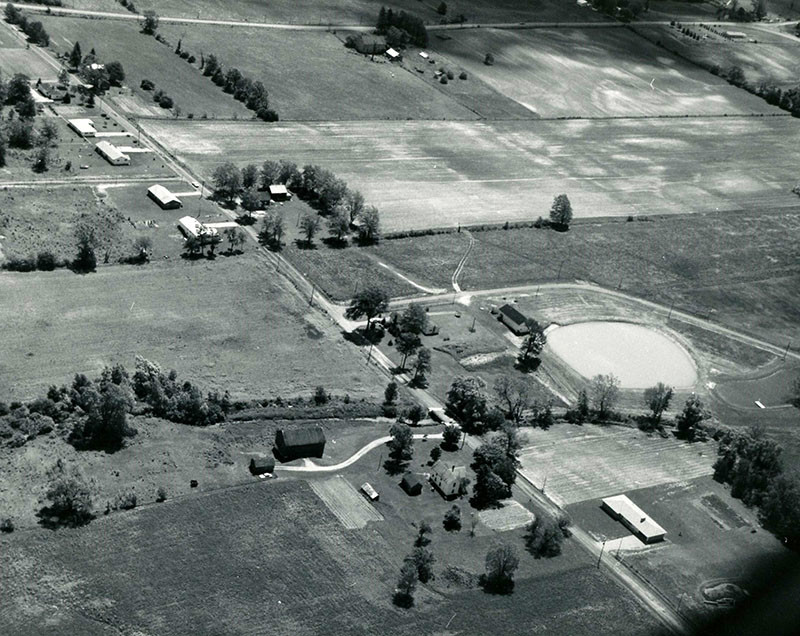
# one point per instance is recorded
(735, 35)
(513, 319)
(633, 517)
(369, 492)
(261, 465)
(411, 484)
(112, 154)
(424, 55)
(190, 226)
(301, 442)
(392, 54)
(164, 198)
(278, 192)
(431, 329)
(447, 478)
(84, 127)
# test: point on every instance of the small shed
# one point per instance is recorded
(513, 319)
(447, 478)
(262, 465)
(424, 55)
(300, 442)
(164, 198)
(431, 329)
(392, 54)
(279, 192)
(411, 484)
(369, 492)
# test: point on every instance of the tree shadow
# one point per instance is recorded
(394, 466)
(403, 600)
(497, 586)
(528, 365)
(49, 518)
(246, 219)
(302, 244)
(335, 243)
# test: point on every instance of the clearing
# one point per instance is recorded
(434, 174)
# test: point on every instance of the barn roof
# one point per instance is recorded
(513, 314)
(302, 436)
(634, 515)
(162, 194)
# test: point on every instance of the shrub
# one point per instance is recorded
(452, 519)
(20, 264)
(450, 75)
(166, 101)
(443, 79)
(6, 525)
(46, 261)
(147, 85)
(489, 59)
(125, 501)
(192, 59)
(463, 75)
(320, 396)
(436, 453)
(161, 494)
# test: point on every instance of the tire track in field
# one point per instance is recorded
(462, 262)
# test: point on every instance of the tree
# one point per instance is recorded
(501, 564)
(544, 537)
(760, 9)
(106, 426)
(251, 200)
(657, 399)
(423, 561)
(69, 496)
(415, 414)
(116, 74)
(235, 238)
(370, 225)
(249, 176)
(47, 133)
(18, 89)
(338, 224)
(452, 519)
(309, 225)
(466, 400)
(354, 204)
(212, 239)
(227, 181)
(407, 344)
(690, 419)
(533, 344)
(422, 365)
(369, 302)
(442, 8)
(401, 446)
(26, 108)
(150, 22)
(780, 510)
(390, 393)
(193, 245)
(75, 56)
(270, 173)
(407, 583)
(414, 319)
(42, 160)
(423, 531)
(582, 409)
(2, 152)
(435, 454)
(489, 59)
(561, 211)
(515, 396)
(604, 390)
(450, 437)
(272, 228)
(142, 246)
(85, 261)
(495, 463)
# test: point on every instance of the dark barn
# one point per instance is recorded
(297, 443)
(411, 484)
(261, 465)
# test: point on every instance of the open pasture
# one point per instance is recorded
(228, 324)
(590, 462)
(772, 389)
(312, 76)
(26, 61)
(593, 73)
(143, 57)
(433, 174)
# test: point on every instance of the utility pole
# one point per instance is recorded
(603, 547)
(672, 304)
(787, 350)
(311, 302)
(472, 328)
(379, 462)
(369, 355)
(544, 483)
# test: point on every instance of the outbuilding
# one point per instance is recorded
(164, 198)
(112, 154)
(84, 127)
(190, 226)
(262, 465)
(369, 492)
(279, 192)
(513, 319)
(300, 442)
(633, 517)
(411, 484)
(448, 478)
(392, 54)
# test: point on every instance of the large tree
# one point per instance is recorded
(422, 365)
(544, 537)
(561, 211)
(690, 419)
(370, 224)
(272, 228)
(227, 181)
(106, 426)
(501, 564)
(116, 74)
(407, 583)
(75, 56)
(604, 391)
(533, 344)
(338, 224)
(69, 496)
(657, 399)
(249, 176)
(85, 260)
(514, 394)
(401, 446)
(354, 204)
(368, 303)
(414, 319)
(466, 400)
(150, 22)
(309, 224)
(407, 343)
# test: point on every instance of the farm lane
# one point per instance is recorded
(462, 262)
(317, 468)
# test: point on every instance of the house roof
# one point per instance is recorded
(110, 150)
(84, 126)
(634, 515)
(410, 480)
(447, 475)
(392, 53)
(513, 314)
(302, 436)
(262, 462)
(162, 194)
(278, 189)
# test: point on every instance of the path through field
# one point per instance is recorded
(345, 502)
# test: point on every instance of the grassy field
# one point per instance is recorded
(429, 174)
(330, 83)
(612, 73)
(228, 324)
(118, 40)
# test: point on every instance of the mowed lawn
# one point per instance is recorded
(312, 76)
(593, 73)
(142, 57)
(226, 324)
(434, 174)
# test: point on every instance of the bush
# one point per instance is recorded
(443, 79)
(166, 101)
(463, 75)
(450, 75)
(6, 525)
(320, 396)
(46, 261)
(147, 85)
(20, 264)
(125, 501)
(161, 494)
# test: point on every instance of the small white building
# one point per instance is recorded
(369, 492)
(279, 192)
(112, 154)
(84, 127)
(424, 55)
(392, 54)
(190, 226)
(164, 198)
(633, 517)
(735, 35)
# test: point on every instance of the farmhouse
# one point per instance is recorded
(623, 509)
(112, 154)
(513, 319)
(164, 198)
(190, 226)
(84, 127)
(297, 443)
(411, 484)
(279, 192)
(262, 465)
(448, 478)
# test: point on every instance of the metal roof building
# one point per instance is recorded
(513, 319)
(112, 154)
(279, 192)
(163, 197)
(84, 127)
(623, 509)
(300, 442)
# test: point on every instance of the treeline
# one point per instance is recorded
(33, 29)
(92, 71)
(252, 94)
(93, 414)
(752, 465)
(401, 28)
(788, 100)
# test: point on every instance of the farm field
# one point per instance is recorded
(118, 40)
(227, 324)
(612, 73)
(20, 60)
(433, 174)
(333, 82)
(770, 59)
